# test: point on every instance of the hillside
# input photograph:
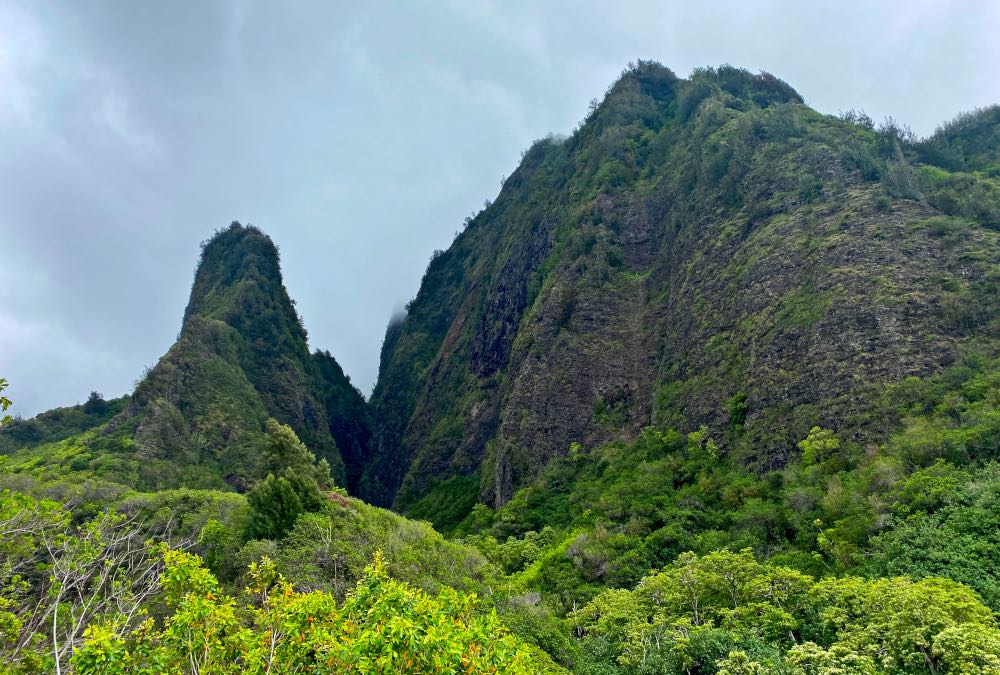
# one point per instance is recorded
(702, 252)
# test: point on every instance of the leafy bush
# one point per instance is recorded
(382, 626)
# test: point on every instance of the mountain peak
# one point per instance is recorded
(763, 88)
(653, 78)
(241, 358)
(234, 258)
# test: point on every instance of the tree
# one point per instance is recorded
(5, 403)
(739, 663)
(95, 405)
(812, 659)
(929, 626)
(284, 451)
(275, 505)
(818, 446)
(292, 486)
(728, 610)
(58, 578)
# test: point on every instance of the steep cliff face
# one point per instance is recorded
(707, 251)
(241, 358)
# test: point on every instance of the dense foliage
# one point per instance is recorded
(725, 612)
(98, 598)
(383, 626)
(856, 536)
(55, 425)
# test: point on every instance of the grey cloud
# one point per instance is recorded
(359, 135)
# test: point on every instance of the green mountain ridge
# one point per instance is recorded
(702, 252)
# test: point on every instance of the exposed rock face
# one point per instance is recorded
(702, 252)
(507, 300)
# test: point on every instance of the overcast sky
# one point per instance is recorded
(358, 135)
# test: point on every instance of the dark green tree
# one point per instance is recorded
(292, 486)
(95, 405)
(283, 452)
(275, 505)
